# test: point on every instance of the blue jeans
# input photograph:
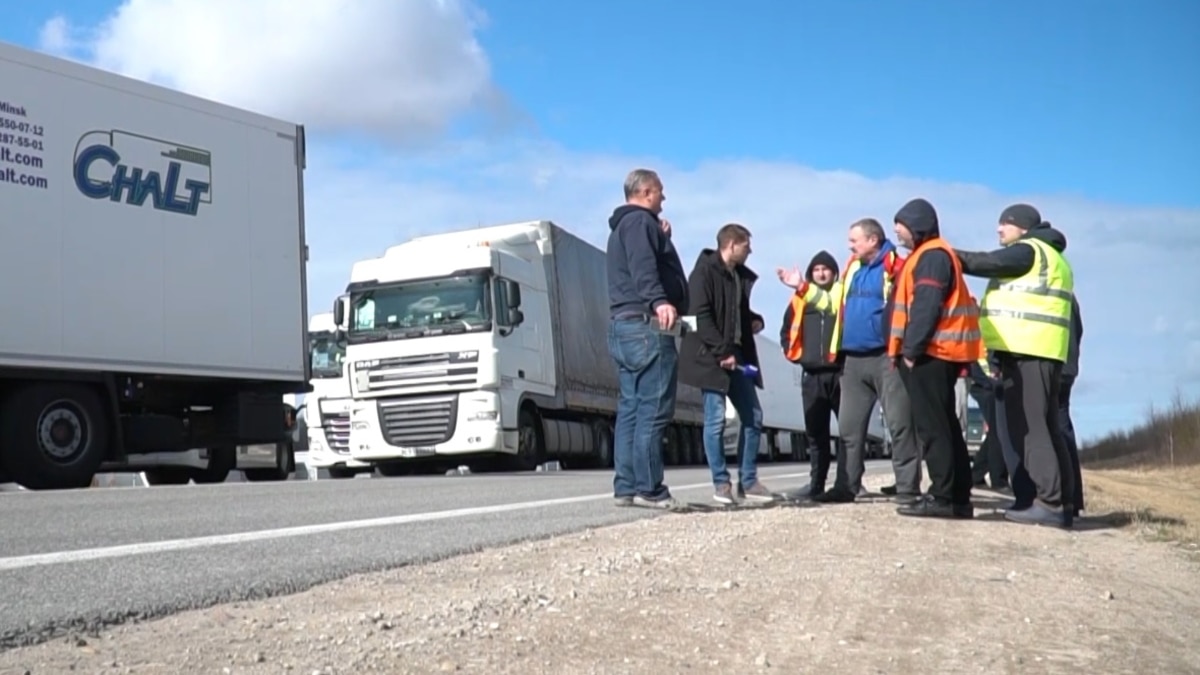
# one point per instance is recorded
(744, 397)
(647, 365)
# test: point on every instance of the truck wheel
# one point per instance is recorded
(531, 440)
(220, 462)
(54, 436)
(604, 444)
(700, 458)
(285, 463)
(671, 455)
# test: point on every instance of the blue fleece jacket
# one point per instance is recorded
(644, 270)
(862, 323)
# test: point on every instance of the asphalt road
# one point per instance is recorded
(75, 561)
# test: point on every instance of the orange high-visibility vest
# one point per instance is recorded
(957, 338)
(795, 345)
(892, 265)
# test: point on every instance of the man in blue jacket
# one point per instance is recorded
(868, 375)
(647, 288)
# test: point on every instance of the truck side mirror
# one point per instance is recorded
(512, 294)
(339, 312)
(515, 317)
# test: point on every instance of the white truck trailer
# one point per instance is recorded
(488, 341)
(153, 274)
(782, 402)
(327, 408)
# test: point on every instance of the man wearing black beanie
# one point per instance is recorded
(1026, 319)
(806, 335)
(934, 336)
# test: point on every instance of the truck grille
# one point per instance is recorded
(418, 421)
(409, 372)
(337, 432)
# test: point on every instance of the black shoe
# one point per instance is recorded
(907, 499)
(888, 490)
(935, 508)
(838, 495)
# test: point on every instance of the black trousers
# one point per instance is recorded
(930, 384)
(822, 393)
(1038, 463)
(1068, 433)
(989, 459)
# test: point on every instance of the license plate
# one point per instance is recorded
(416, 452)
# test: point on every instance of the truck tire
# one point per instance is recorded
(285, 464)
(54, 436)
(604, 444)
(671, 447)
(531, 439)
(221, 461)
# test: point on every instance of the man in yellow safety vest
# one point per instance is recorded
(1025, 317)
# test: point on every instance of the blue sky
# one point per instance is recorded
(795, 119)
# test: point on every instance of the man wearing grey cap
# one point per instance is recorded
(1026, 317)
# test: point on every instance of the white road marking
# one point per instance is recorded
(126, 550)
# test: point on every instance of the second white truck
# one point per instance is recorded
(327, 407)
(488, 341)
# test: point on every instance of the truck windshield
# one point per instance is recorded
(419, 308)
(327, 354)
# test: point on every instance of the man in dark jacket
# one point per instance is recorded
(1026, 316)
(646, 289)
(934, 336)
(714, 354)
(806, 336)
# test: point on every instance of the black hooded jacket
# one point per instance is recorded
(933, 278)
(816, 331)
(644, 270)
(715, 304)
(1013, 261)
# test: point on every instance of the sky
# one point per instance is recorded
(793, 119)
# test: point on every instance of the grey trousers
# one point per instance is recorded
(865, 380)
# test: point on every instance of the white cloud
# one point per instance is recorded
(401, 69)
(355, 69)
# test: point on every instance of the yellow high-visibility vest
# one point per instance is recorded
(1031, 314)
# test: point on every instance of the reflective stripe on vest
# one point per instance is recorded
(890, 262)
(1031, 314)
(957, 336)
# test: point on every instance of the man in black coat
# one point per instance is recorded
(714, 357)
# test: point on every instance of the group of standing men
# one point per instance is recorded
(896, 330)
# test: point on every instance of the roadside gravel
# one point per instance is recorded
(849, 587)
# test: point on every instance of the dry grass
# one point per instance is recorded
(1168, 438)
(1149, 477)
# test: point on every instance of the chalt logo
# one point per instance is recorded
(133, 169)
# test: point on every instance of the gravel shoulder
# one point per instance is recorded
(852, 587)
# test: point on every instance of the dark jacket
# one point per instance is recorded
(1013, 261)
(816, 331)
(714, 302)
(644, 270)
(933, 278)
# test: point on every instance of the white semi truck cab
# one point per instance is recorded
(327, 407)
(425, 326)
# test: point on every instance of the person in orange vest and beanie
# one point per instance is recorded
(934, 336)
(806, 335)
